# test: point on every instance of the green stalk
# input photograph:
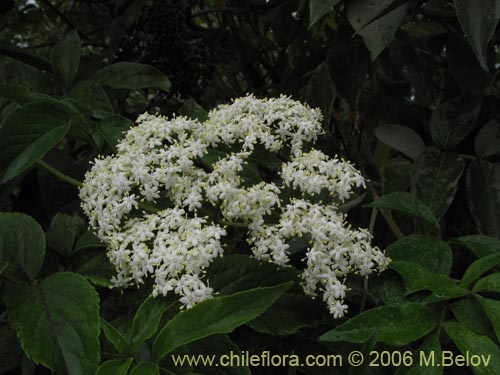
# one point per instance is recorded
(59, 174)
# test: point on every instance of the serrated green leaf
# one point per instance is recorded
(490, 283)
(113, 128)
(23, 242)
(25, 125)
(132, 76)
(480, 266)
(487, 142)
(468, 341)
(394, 325)
(401, 138)
(147, 319)
(19, 93)
(483, 196)
(320, 8)
(377, 33)
(217, 345)
(116, 338)
(453, 120)
(429, 252)
(115, 367)
(446, 293)
(98, 270)
(93, 98)
(430, 348)
(57, 322)
(492, 309)
(291, 312)
(479, 20)
(10, 350)
(88, 240)
(66, 59)
(145, 368)
(410, 205)
(34, 152)
(234, 273)
(417, 278)
(470, 314)
(216, 315)
(322, 91)
(479, 244)
(434, 179)
(63, 232)
(193, 110)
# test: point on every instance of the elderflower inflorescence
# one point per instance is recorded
(163, 202)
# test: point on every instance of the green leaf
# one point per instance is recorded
(10, 350)
(25, 125)
(147, 319)
(435, 177)
(116, 338)
(113, 128)
(291, 312)
(470, 342)
(394, 325)
(430, 348)
(483, 195)
(87, 240)
(66, 59)
(216, 315)
(469, 313)
(322, 91)
(217, 345)
(492, 309)
(132, 76)
(480, 266)
(401, 138)
(431, 253)
(145, 368)
(234, 273)
(23, 242)
(410, 205)
(19, 93)
(98, 270)
(93, 98)
(490, 283)
(417, 278)
(320, 8)
(377, 33)
(453, 120)
(480, 245)
(64, 231)
(193, 110)
(479, 20)
(446, 293)
(57, 322)
(388, 289)
(487, 142)
(115, 367)
(34, 152)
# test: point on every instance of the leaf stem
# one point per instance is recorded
(59, 174)
(373, 218)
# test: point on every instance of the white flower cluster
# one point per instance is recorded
(149, 202)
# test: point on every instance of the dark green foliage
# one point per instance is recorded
(410, 94)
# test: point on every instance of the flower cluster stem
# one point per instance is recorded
(59, 174)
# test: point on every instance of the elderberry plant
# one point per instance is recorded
(164, 210)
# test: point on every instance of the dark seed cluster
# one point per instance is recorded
(163, 36)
